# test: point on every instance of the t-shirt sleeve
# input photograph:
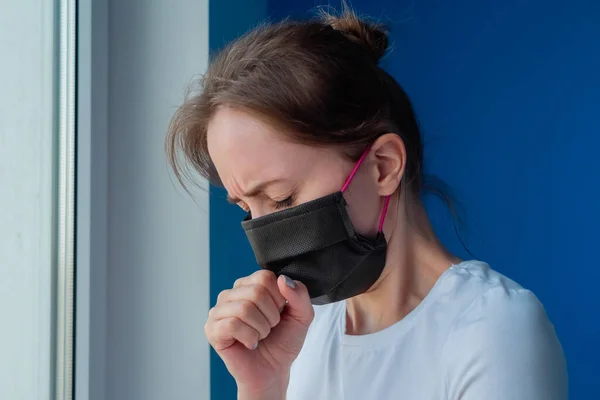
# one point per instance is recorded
(503, 347)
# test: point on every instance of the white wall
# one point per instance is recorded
(27, 128)
(157, 278)
(142, 245)
(92, 199)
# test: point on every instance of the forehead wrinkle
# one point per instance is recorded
(233, 189)
(249, 152)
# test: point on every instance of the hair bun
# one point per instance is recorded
(373, 37)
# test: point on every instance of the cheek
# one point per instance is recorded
(364, 208)
(322, 180)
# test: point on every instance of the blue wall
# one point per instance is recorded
(508, 94)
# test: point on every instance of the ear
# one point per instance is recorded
(389, 157)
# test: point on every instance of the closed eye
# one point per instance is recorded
(279, 204)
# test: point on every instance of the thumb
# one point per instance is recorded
(299, 306)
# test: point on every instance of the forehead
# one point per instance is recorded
(250, 150)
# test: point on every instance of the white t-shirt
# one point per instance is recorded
(476, 336)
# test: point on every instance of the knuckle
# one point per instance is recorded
(230, 325)
(246, 307)
(265, 277)
(223, 296)
(210, 331)
(211, 314)
(258, 292)
(238, 282)
(276, 319)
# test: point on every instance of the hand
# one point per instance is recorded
(257, 335)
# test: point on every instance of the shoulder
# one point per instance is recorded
(484, 292)
(502, 340)
(491, 301)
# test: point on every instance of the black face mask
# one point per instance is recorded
(315, 243)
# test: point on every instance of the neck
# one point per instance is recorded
(415, 261)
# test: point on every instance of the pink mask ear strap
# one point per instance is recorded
(360, 160)
(347, 183)
(383, 213)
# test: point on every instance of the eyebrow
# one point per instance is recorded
(253, 191)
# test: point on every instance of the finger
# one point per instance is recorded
(257, 294)
(222, 297)
(247, 312)
(223, 333)
(299, 306)
(267, 279)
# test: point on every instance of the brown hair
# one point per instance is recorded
(318, 80)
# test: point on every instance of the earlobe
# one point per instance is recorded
(389, 154)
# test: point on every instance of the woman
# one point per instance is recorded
(322, 149)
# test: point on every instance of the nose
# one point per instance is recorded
(258, 209)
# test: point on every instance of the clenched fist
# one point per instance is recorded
(258, 328)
